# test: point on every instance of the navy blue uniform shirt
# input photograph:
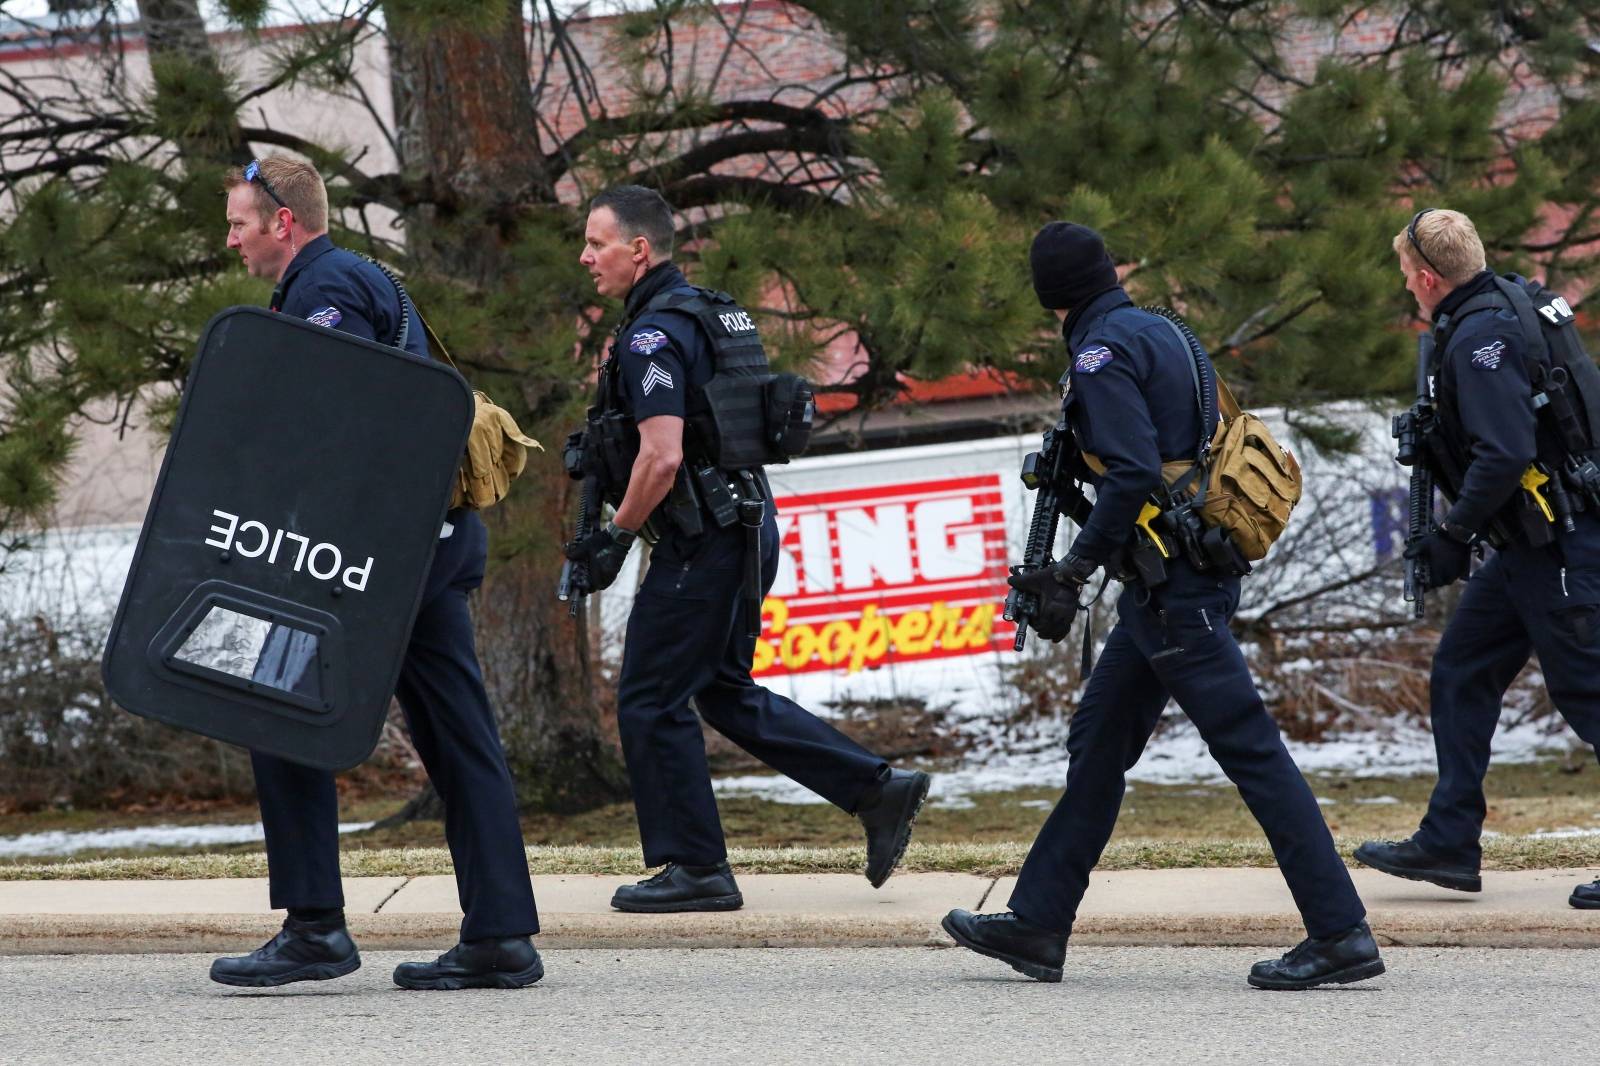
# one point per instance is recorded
(332, 287)
(660, 356)
(1481, 384)
(1130, 399)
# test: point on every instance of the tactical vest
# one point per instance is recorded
(1566, 385)
(742, 419)
(1553, 351)
(746, 416)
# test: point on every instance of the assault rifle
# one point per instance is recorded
(1049, 472)
(574, 584)
(1410, 430)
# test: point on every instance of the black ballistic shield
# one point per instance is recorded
(284, 551)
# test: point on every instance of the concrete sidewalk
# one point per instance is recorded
(1131, 907)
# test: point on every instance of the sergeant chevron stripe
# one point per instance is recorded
(655, 376)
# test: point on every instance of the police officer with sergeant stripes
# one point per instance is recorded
(1131, 401)
(1513, 446)
(680, 434)
(277, 214)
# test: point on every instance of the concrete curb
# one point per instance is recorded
(1166, 908)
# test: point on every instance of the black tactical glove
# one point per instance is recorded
(604, 551)
(1056, 588)
(1447, 559)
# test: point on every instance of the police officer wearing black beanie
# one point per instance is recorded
(1130, 397)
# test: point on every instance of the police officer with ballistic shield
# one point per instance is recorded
(277, 212)
(1512, 443)
(687, 415)
(1135, 397)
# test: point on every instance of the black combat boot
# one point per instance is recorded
(1028, 948)
(682, 888)
(889, 810)
(508, 962)
(302, 951)
(1408, 859)
(1586, 897)
(1335, 960)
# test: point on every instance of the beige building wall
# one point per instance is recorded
(113, 470)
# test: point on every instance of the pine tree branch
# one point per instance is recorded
(1557, 245)
(1237, 340)
(1224, 24)
(60, 165)
(828, 140)
(68, 127)
(709, 189)
(355, 24)
(578, 74)
(606, 129)
(732, 41)
(205, 266)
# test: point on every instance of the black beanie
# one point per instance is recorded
(1069, 264)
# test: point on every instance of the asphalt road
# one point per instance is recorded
(814, 1006)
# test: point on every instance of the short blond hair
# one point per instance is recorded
(297, 184)
(1449, 244)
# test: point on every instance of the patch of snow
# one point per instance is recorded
(64, 842)
(772, 787)
(1376, 800)
(1179, 757)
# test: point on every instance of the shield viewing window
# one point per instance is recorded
(280, 653)
(264, 653)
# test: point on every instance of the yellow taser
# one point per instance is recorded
(1533, 479)
(1150, 511)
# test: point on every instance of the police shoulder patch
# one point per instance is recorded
(1490, 356)
(327, 316)
(646, 341)
(1090, 360)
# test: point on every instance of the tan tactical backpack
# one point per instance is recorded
(497, 449)
(1249, 482)
(1244, 482)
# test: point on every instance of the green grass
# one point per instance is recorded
(1160, 826)
(987, 860)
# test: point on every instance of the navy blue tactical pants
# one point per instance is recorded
(447, 711)
(687, 641)
(1544, 600)
(1211, 683)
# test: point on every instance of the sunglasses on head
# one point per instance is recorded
(1411, 235)
(252, 173)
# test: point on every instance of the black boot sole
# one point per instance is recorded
(316, 971)
(1442, 878)
(1048, 974)
(1348, 975)
(915, 798)
(703, 903)
(457, 982)
(1584, 903)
